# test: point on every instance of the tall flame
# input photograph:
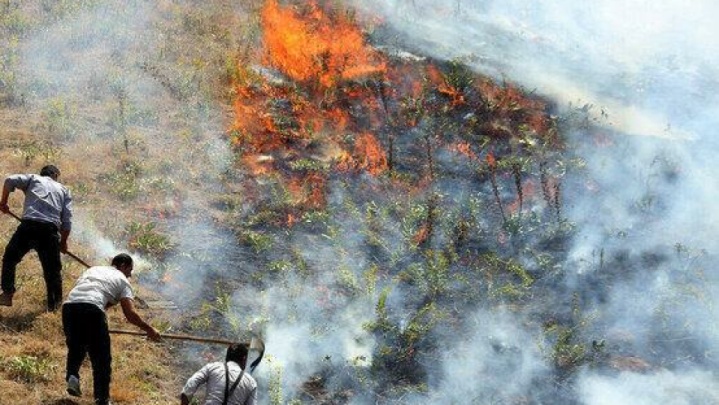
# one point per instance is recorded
(372, 157)
(316, 47)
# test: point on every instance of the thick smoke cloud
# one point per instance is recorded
(664, 387)
(476, 370)
(645, 72)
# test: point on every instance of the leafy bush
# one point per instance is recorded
(61, 118)
(258, 241)
(124, 183)
(29, 369)
(144, 238)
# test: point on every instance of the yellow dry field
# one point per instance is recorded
(32, 347)
(130, 148)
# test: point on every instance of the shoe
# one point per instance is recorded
(6, 300)
(73, 386)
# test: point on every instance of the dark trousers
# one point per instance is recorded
(43, 237)
(86, 332)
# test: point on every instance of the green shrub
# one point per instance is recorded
(259, 242)
(29, 369)
(61, 118)
(125, 182)
(144, 238)
(43, 150)
(275, 382)
(15, 23)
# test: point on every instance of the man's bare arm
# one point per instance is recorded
(128, 309)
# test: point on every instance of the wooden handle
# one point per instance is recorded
(175, 337)
(77, 258)
(12, 214)
(255, 344)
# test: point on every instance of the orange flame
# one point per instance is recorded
(464, 148)
(320, 112)
(291, 220)
(436, 76)
(308, 191)
(510, 103)
(340, 118)
(258, 164)
(372, 157)
(345, 162)
(491, 160)
(368, 156)
(421, 235)
(317, 48)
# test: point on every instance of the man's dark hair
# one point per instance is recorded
(122, 258)
(50, 171)
(237, 352)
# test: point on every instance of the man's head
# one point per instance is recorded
(123, 262)
(50, 171)
(238, 353)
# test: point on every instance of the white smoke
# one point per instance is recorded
(495, 362)
(663, 387)
(314, 317)
(636, 69)
(305, 339)
(641, 68)
(92, 66)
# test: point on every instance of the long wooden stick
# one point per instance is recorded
(12, 214)
(176, 337)
(77, 258)
(255, 344)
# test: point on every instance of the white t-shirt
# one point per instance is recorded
(213, 374)
(100, 285)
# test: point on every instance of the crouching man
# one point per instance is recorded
(227, 382)
(85, 323)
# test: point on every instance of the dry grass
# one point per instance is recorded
(33, 351)
(167, 149)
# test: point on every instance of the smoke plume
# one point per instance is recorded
(646, 222)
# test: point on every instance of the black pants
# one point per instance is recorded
(43, 237)
(86, 332)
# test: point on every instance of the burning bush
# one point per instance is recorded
(309, 45)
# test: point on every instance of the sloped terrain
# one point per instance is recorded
(398, 228)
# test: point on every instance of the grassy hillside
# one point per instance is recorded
(125, 98)
(145, 107)
(348, 204)
(391, 224)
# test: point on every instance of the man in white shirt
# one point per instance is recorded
(45, 227)
(227, 382)
(85, 323)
